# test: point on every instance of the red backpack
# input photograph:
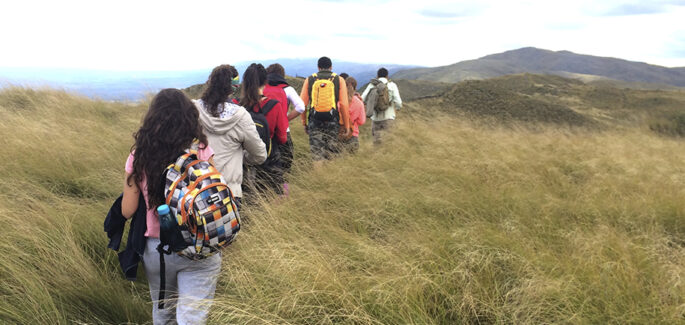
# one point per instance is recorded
(278, 93)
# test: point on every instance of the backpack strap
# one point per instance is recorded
(162, 277)
(194, 147)
(310, 86)
(268, 106)
(336, 89)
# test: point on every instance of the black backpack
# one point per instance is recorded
(259, 119)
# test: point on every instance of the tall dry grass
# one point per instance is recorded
(448, 222)
(62, 166)
(453, 222)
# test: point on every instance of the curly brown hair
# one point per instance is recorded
(218, 88)
(169, 127)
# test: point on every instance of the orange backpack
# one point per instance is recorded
(324, 88)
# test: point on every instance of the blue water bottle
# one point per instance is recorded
(169, 232)
(166, 220)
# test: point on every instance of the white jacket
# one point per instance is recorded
(232, 135)
(395, 101)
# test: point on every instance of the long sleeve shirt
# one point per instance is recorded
(395, 101)
(343, 104)
(294, 99)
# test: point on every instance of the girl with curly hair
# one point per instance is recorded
(170, 126)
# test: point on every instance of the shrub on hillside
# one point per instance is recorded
(673, 125)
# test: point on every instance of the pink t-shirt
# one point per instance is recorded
(357, 114)
(152, 220)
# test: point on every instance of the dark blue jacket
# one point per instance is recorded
(135, 246)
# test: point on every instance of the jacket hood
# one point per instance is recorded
(219, 125)
(275, 79)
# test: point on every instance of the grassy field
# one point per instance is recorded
(451, 221)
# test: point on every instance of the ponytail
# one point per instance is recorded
(253, 79)
(351, 87)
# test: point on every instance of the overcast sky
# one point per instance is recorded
(182, 35)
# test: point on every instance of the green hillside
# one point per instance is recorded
(467, 215)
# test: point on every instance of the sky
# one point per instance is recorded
(187, 35)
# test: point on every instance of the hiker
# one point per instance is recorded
(344, 75)
(382, 112)
(170, 126)
(357, 115)
(325, 95)
(229, 129)
(278, 88)
(268, 176)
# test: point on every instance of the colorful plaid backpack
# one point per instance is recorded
(203, 205)
(206, 215)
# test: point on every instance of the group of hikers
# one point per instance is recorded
(183, 185)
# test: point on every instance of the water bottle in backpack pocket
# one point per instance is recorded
(169, 232)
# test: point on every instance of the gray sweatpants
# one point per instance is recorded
(190, 285)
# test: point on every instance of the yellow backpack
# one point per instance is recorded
(324, 88)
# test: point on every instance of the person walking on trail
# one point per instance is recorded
(278, 88)
(229, 128)
(382, 100)
(268, 176)
(170, 126)
(324, 94)
(357, 115)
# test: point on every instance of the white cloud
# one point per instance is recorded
(177, 35)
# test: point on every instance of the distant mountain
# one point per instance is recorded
(134, 85)
(363, 72)
(539, 61)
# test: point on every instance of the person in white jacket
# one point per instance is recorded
(229, 129)
(383, 120)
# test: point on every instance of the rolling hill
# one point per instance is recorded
(555, 100)
(539, 61)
